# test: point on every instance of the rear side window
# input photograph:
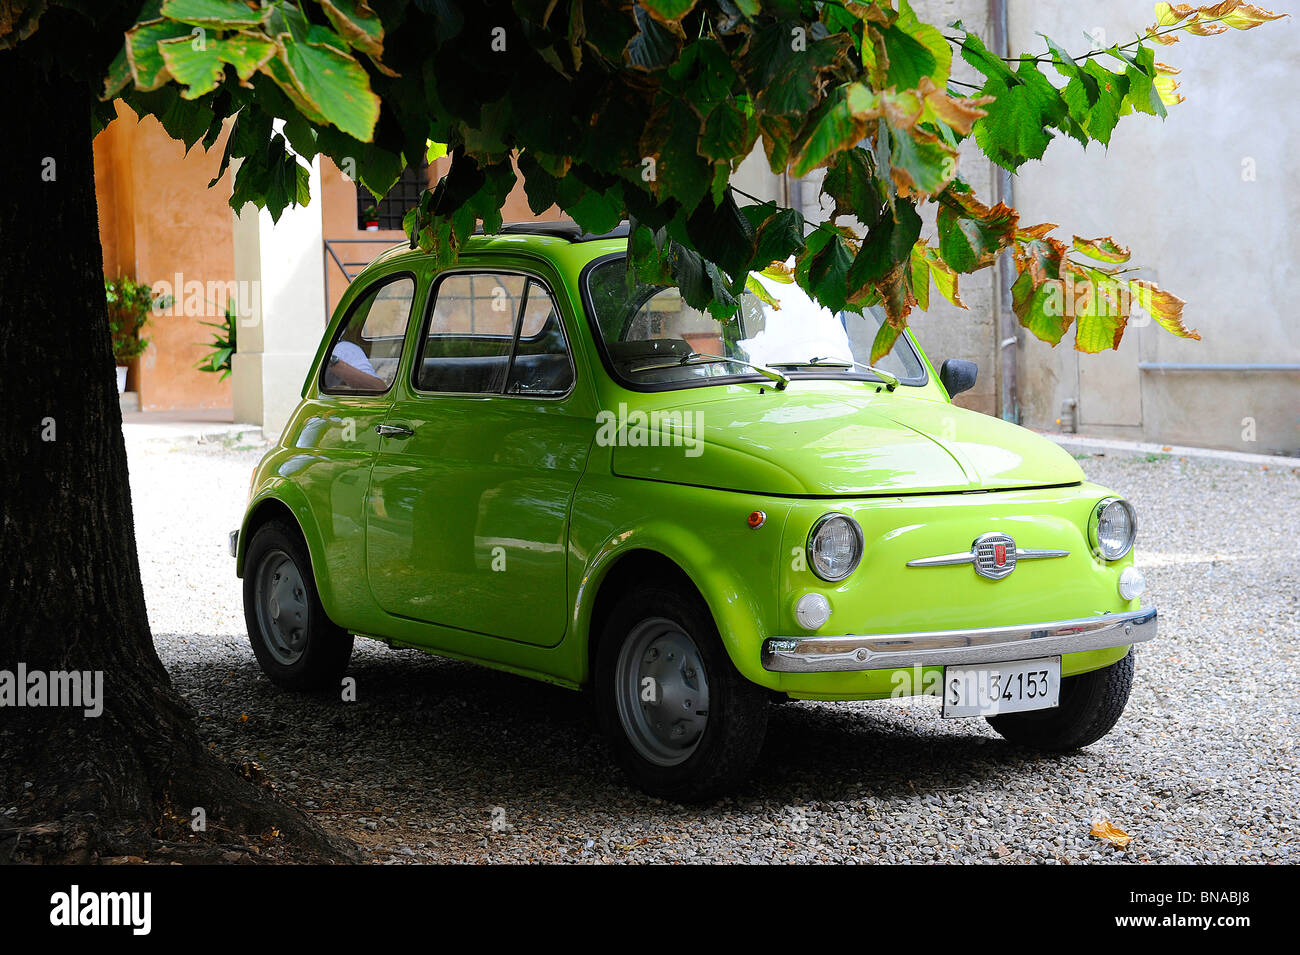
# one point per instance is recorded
(493, 333)
(364, 357)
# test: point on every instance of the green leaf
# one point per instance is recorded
(220, 14)
(851, 185)
(654, 46)
(971, 234)
(1099, 115)
(1025, 108)
(889, 241)
(681, 171)
(831, 129)
(919, 161)
(727, 134)
(145, 60)
(198, 70)
(334, 83)
(357, 24)
(669, 11)
(199, 65)
(271, 178)
(778, 233)
(826, 261)
(1104, 249)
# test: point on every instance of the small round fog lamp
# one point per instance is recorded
(1132, 584)
(812, 611)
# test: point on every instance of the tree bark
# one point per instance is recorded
(125, 782)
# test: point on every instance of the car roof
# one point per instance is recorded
(563, 229)
(566, 231)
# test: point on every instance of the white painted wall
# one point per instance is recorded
(1179, 192)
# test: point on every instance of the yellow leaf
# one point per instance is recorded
(1111, 833)
(1165, 307)
(1103, 249)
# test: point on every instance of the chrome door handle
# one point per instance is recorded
(393, 431)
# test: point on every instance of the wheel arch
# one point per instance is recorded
(271, 505)
(629, 567)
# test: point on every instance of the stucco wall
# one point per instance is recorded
(1207, 201)
(158, 220)
(354, 247)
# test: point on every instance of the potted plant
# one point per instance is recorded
(370, 215)
(129, 306)
(222, 346)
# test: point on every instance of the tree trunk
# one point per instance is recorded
(124, 782)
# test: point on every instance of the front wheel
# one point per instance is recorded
(295, 643)
(1090, 706)
(683, 723)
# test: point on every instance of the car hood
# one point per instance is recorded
(806, 442)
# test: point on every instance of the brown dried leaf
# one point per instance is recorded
(1111, 833)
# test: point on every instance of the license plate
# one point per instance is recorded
(1001, 688)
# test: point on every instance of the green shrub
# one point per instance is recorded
(129, 305)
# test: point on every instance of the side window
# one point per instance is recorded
(541, 365)
(490, 333)
(364, 357)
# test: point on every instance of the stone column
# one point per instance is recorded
(280, 270)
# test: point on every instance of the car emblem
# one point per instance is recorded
(994, 555)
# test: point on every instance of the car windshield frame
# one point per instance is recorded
(798, 372)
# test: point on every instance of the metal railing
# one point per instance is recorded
(350, 269)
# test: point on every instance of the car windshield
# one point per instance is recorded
(652, 338)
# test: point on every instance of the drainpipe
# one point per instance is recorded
(1006, 325)
(794, 193)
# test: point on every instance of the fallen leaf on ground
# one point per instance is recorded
(1111, 833)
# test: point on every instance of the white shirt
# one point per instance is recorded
(354, 356)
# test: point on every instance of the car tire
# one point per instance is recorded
(1090, 706)
(296, 644)
(659, 633)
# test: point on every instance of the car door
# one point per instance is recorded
(468, 509)
(333, 431)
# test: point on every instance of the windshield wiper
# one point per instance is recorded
(703, 358)
(890, 381)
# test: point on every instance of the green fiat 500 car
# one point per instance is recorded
(532, 462)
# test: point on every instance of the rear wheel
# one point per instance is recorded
(295, 643)
(1090, 706)
(683, 723)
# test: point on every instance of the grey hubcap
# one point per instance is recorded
(662, 692)
(282, 607)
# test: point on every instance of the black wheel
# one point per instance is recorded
(1090, 705)
(295, 643)
(683, 723)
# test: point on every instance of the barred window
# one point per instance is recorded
(404, 194)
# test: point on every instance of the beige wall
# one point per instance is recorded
(1179, 192)
(158, 219)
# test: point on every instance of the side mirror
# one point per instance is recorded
(958, 375)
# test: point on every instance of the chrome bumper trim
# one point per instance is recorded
(234, 543)
(889, 651)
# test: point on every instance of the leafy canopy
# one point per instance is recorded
(612, 109)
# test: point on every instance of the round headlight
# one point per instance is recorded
(1113, 528)
(834, 546)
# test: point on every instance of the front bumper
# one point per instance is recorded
(888, 651)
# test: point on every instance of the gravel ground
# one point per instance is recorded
(441, 761)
